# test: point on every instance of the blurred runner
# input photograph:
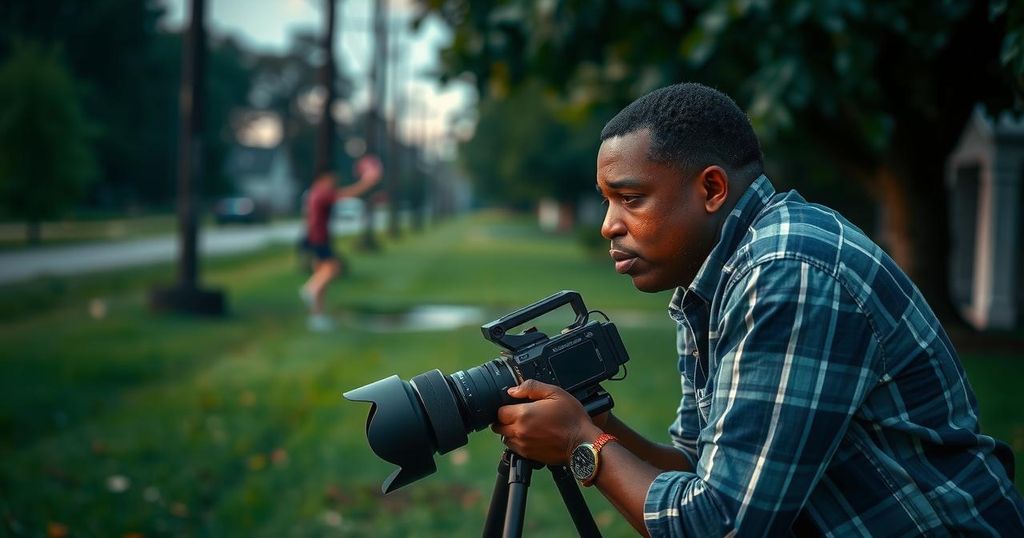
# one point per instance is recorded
(326, 264)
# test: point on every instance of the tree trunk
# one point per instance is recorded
(374, 117)
(894, 219)
(909, 183)
(324, 149)
(914, 228)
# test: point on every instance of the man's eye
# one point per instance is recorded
(630, 199)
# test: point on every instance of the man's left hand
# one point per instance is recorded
(547, 428)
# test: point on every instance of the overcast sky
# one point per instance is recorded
(267, 25)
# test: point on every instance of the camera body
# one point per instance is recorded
(433, 413)
(577, 359)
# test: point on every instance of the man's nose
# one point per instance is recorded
(612, 226)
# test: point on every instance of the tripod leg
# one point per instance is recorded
(499, 499)
(574, 501)
(520, 470)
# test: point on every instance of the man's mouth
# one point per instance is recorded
(624, 260)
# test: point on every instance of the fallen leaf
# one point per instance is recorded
(257, 462)
(56, 530)
(179, 509)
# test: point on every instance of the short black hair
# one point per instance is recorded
(691, 126)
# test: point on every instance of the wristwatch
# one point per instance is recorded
(585, 459)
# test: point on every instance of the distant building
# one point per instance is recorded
(985, 178)
(265, 175)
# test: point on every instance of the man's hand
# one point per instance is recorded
(547, 428)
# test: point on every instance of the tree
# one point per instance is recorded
(45, 156)
(882, 89)
(127, 73)
(524, 150)
(111, 48)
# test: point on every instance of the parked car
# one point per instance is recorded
(240, 209)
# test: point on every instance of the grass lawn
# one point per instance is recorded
(118, 422)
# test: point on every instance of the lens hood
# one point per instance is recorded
(397, 430)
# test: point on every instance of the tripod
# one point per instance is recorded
(508, 501)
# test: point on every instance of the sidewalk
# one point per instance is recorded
(17, 266)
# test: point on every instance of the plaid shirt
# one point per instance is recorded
(820, 393)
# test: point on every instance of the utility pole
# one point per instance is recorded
(409, 155)
(325, 137)
(378, 72)
(419, 199)
(393, 172)
(185, 295)
(427, 188)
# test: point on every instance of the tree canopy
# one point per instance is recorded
(126, 71)
(45, 157)
(523, 150)
(841, 92)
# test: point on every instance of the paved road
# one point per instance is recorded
(17, 266)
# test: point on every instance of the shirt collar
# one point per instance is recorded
(754, 199)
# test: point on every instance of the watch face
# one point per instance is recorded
(583, 462)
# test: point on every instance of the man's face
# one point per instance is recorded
(659, 228)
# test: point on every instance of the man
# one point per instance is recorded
(319, 205)
(820, 394)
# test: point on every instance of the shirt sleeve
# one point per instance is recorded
(685, 429)
(795, 358)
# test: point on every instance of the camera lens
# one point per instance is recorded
(410, 421)
(482, 390)
(442, 409)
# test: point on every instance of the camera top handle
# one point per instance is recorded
(496, 331)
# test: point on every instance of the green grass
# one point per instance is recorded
(115, 421)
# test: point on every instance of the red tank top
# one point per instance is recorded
(318, 213)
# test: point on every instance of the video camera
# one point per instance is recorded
(409, 421)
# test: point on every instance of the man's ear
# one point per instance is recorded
(714, 181)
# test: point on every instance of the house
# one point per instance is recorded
(265, 175)
(985, 179)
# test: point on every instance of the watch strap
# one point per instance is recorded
(598, 444)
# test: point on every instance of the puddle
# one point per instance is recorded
(440, 317)
(418, 318)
